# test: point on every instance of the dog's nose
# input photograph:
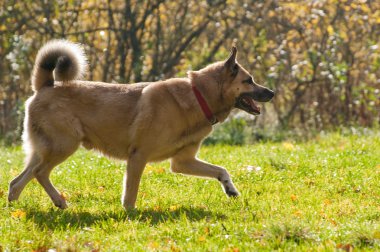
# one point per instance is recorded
(271, 93)
(263, 94)
(267, 95)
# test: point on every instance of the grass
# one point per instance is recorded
(319, 195)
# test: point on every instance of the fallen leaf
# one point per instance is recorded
(202, 238)
(333, 222)
(153, 169)
(18, 214)
(41, 249)
(327, 202)
(298, 213)
(174, 248)
(345, 247)
(232, 250)
(207, 230)
(293, 197)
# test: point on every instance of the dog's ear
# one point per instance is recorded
(230, 64)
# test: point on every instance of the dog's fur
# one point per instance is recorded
(139, 123)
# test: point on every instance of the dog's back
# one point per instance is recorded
(66, 112)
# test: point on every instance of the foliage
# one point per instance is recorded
(239, 130)
(319, 195)
(232, 132)
(321, 57)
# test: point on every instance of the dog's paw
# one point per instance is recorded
(228, 186)
(11, 197)
(13, 193)
(231, 192)
(128, 205)
(129, 208)
(60, 203)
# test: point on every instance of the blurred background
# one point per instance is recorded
(321, 57)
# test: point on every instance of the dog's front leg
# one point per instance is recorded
(131, 181)
(197, 167)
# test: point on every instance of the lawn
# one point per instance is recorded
(322, 194)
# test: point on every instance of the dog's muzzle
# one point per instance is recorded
(246, 101)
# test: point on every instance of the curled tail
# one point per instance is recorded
(65, 58)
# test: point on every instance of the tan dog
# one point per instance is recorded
(139, 123)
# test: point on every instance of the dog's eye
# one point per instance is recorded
(248, 81)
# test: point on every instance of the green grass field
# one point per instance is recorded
(319, 195)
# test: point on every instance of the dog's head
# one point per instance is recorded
(240, 86)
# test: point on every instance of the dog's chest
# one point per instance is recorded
(176, 144)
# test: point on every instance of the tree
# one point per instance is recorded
(322, 58)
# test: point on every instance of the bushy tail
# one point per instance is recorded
(65, 58)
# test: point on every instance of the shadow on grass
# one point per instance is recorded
(56, 219)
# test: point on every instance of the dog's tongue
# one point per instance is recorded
(253, 105)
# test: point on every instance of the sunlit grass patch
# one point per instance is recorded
(322, 194)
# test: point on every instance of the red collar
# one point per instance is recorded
(204, 106)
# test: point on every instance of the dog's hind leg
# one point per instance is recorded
(57, 155)
(42, 173)
(132, 177)
(18, 184)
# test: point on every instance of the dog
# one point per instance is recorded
(139, 123)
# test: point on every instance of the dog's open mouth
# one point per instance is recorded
(246, 103)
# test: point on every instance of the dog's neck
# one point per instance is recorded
(219, 105)
(204, 105)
